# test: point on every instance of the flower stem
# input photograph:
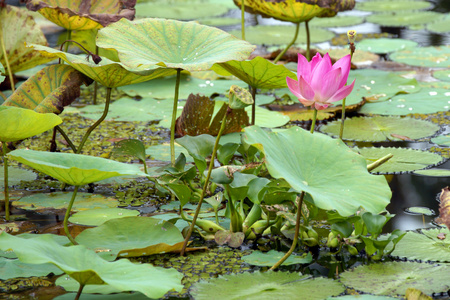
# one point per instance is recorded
(296, 234)
(59, 129)
(253, 90)
(5, 176)
(80, 289)
(288, 46)
(94, 97)
(105, 112)
(243, 19)
(313, 125)
(66, 217)
(205, 186)
(379, 162)
(341, 130)
(174, 118)
(308, 41)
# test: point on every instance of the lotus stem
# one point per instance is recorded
(66, 217)
(105, 112)
(379, 162)
(313, 125)
(205, 186)
(8, 67)
(341, 129)
(94, 98)
(290, 44)
(64, 135)
(308, 41)
(296, 234)
(69, 37)
(243, 19)
(174, 118)
(80, 289)
(6, 189)
(253, 90)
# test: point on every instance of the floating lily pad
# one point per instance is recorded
(133, 236)
(443, 140)
(419, 210)
(219, 21)
(385, 45)
(394, 6)
(180, 10)
(405, 18)
(342, 184)
(440, 26)
(269, 285)
(11, 268)
(96, 217)
(337, 21)
(443, 75)
(16, 175)
(281, 35)
(433, 57)
(393, 278)
(258, 258)
(426, 101)
(361, 297)
(434, 172)
(60, 200)
(268, 118)
(426, 244)
(404, 159)
(381, 129)
(162, 152)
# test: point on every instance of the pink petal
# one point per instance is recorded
(320, 71)
(293, 87)
(342, 93)
(345, 64)
(305, 89)
(306, 102)
(330, 84)
(315, 60)
(303, 68)
(320, 106)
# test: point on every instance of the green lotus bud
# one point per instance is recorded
(352, 250)
(313, 234)
(310, 242)
(333, 243)
(239, 97)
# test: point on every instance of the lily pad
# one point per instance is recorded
(162, 152)
(362, 297)
(217, 22)
(394, 6)
(258, 258)
(406, 18)
(381, 129)
(426, 101)
(133, 236)
(71, 285)
(434, 172)
(425, 244)
(269, 285)
(74, 169)
(443, 75)
(433, 57)
(404, 159)
(96, 217)
(440, 26)
(393, 278)
(268, 118)
(11, 268)
(337, 21)
(170, 43)
(180, 10)
(16, 175)
(419, 210)
(88, 268)
(342, 184)
(60, 200)
(385, 45)
(281, 35)
(443, 140)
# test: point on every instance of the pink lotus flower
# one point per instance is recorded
(320, 82)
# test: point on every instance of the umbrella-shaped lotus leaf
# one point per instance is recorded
(74, 169)
(107, 72)
(82, 14)
(18, 123)
(335, 176)
(16, 27)
(49, 90)
(170, 43)
(86, 267)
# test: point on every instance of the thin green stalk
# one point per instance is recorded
(5, 173)
(313, 125)
(64, 135)
(80, 289)
(105, 112)
(243, 19)
(205, 186)
(288, 46)
(296, 234)
(8, 67)
(94, 98)
(69, 37)
(308, 41)
(174, 118)
(379, 162)
(66, 217)
(253, 90)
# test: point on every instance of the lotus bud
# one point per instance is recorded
(352, 250)
(239, 97)
(351, 35)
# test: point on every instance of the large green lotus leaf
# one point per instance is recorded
(426, 101)
(60, 200)
(337, 21)
(443, 75)
(271, 257)
(404, 159)
(16, 175)
(281, 35)
(71, 285)
(106, 72)
(385, 45)
(78, 15)
(49, 90)
(425, 245)
(434, 172)
(443, 140)
(406, 18)
(433, 57)
(96, 217)
(87, 39)
(308, 162)
(381, 129)
(17, 27)
(19, 123)
(133, 236)
(377, 86)
(394, 6)
(60, 239)
(268, 285)
(361, 297)
(11, 268)
(393, 278)
(162, 152)
(163, 88)
(129, 110)
(180, 10)
(74, 169)
(440, 26)
(87, 267)
(268, 118)
(258, 72)
(170, 43)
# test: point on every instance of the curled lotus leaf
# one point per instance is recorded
(82, 14)
(16, 27)
(49, 90)
(172, 44)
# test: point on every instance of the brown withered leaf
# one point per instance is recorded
(195, 119)
(444, 207)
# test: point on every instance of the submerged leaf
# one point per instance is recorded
(271, 257)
